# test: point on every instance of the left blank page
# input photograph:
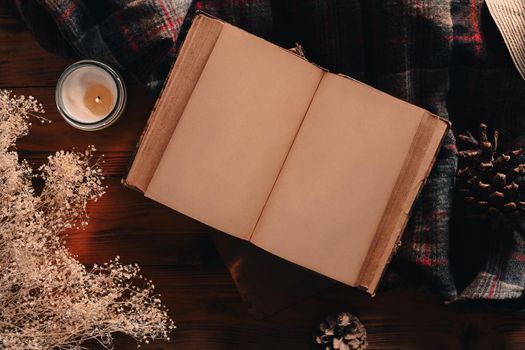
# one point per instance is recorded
(233, 137)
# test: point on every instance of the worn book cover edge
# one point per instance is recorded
(386, 243)
(129, 181)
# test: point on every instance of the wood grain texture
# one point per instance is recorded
(21, 64)
(176, 252)
(120, 137)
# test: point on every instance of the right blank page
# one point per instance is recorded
(333, 189)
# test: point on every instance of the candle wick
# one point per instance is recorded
(97, 100)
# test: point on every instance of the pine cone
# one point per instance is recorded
(344, 332)
(487, 182)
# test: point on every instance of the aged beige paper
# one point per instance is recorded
(233, 137)
(336, 183)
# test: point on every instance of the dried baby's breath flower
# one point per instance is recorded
(48, 300)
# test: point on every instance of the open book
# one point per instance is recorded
(314, 167)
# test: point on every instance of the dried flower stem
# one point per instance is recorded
(48, 300)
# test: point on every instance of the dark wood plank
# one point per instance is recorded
(115, 163)
(22, 61)
(39, 69)
(125, 223)
(210, 315)
(119, 137)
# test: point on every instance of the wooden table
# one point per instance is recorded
(177, 253)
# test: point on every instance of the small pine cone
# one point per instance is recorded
(489, 183)
(344, 332)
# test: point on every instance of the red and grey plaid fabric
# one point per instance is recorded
(445, 56)
(136, 36)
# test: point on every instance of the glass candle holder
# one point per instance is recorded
(90, 95)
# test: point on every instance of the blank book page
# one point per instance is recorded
(336, 182)
(236, 130)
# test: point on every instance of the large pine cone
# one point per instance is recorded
(487, 181)
(344, 332)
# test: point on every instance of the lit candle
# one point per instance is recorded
(90, 95)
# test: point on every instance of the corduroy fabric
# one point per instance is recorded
(510, 19)
(445, 56)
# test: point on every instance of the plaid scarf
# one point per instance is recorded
(445, 56)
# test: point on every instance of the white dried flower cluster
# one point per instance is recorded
(48, 299)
